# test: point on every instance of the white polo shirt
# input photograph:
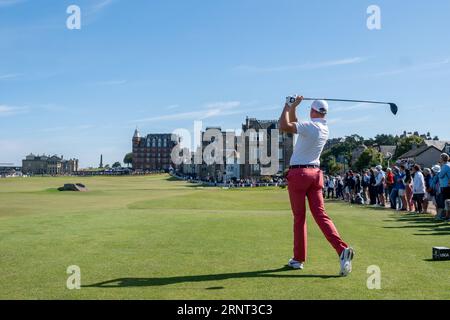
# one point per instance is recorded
(312, 136)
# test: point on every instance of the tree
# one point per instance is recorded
(385, 140)
(116, 164)
(369, 158)
(332, 166)
(128, 159)
(406, 143)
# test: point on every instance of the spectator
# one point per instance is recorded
(339, 188)
(350, 185)
(428, 198)
(409, 190)
(379, 185)
(331, 186)
(325, 186)
(436, 192)
(365, 183)
(389, 185)
(402, 188)
(444, 179)
(346, 187)
(358, 184)
(418, 188)
(394, 195)
(372, 188)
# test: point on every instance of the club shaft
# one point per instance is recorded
(344, 100)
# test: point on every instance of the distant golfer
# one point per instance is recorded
(305, 179)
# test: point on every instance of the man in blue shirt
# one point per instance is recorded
(444, 178)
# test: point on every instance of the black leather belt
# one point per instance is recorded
(304, 166)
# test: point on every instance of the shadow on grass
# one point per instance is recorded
(426, 223)
(152, 282)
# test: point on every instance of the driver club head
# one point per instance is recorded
(394, 108)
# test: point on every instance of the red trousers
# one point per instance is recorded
(308, 183)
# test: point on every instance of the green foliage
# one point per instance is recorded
(406, 143)
(128, 159)
(382, 140)
(116, 164)
(332, 167)
(369, 158)
(343, 149)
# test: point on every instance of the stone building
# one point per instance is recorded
(425, 156)
(225, 168)
(285, 147)
(52, 165)
(153, 152)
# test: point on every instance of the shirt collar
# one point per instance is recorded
(322, 120)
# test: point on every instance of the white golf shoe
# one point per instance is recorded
(294, 264)
(346, 261)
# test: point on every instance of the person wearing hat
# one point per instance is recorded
(444, 179)
(380, 179)
(436, 192)
(305, 180)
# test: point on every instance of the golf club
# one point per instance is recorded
(393, 106)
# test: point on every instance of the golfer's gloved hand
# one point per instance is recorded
(297, 101)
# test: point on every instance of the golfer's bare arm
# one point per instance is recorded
(288, 117)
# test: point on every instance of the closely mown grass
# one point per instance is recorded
(151, 238)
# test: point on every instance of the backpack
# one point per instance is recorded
(359, 199)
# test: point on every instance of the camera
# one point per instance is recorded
(290, 100)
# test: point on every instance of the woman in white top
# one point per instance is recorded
(418, 188)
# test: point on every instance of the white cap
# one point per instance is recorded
(379, 167)
(320, 106)
(436, 168)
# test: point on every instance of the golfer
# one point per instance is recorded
(305, 179)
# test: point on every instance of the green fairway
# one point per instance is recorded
(155, 238)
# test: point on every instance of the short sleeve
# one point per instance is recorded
(302, 128)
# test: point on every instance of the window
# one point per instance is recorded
(159, 143)
(153, 142)
(280, 153)
(165, 143)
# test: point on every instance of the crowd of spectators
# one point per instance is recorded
(403, 187)
(235, 183)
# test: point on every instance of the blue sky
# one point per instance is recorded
(160, 65)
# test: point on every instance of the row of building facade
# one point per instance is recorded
(153, 152)
(48, 165)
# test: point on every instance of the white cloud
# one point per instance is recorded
(416, 68)
(109, 83)
(68, 128)
(6, 110)
(9, 76)
(102, 4)
(210, 110)
(7, 3)
(358, 106)
(223, 105)
(347, 121)
(173, 106)
(306, 66)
